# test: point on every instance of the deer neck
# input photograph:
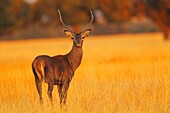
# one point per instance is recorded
(75, 56)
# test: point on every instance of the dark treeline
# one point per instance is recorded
(18, 14)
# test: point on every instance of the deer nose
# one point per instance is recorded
(78, 42)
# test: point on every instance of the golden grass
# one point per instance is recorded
(118, 74)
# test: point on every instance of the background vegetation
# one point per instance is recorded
(118, 74)
(21, 14)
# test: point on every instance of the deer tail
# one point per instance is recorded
(38, 70)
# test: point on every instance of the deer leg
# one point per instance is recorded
(39, 88)
(60, 92)
(50, 89)
(65, 97)
(64, 92)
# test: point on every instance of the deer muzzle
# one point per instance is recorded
(78, 43)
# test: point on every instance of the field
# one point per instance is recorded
(119, 74)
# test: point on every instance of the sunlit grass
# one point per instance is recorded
(118, 74)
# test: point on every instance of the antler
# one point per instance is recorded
(92, 18)
(63, 22)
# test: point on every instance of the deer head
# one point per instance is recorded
(77, 37)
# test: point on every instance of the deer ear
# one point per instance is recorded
(86, 33)
(68, 34)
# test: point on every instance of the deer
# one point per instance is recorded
(59, 70)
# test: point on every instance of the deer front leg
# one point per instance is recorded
(60, 92)
(39, 88)
(64, 89)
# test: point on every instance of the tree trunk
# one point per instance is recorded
(166, 35)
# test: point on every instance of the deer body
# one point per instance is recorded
(59, 70)
(58, 67)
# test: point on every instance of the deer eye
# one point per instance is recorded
(72, 38)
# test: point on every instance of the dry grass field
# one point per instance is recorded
(119, 74)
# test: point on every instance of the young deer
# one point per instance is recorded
(59, 70)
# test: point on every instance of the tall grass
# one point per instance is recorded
(118, 74)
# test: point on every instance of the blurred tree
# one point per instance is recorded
(117, 10)
(5, 18)
(18, 13)
(45, 11)
(19, 10)
(158, 11)
(109, 7)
